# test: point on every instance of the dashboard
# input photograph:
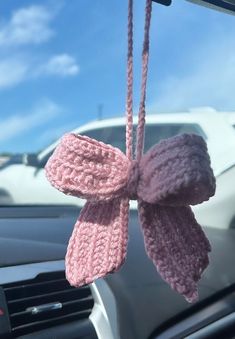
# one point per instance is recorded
(37, 302)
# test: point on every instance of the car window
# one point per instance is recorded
(153, 133)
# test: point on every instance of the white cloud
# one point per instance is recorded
(16, 70)
(61, 64)
(30, 25)
(209, 80)
(19, 124)
(12, 72)
(27, 26)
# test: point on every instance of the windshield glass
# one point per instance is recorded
(154, 133)
(63, 66)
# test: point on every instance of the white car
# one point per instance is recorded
(26, 183)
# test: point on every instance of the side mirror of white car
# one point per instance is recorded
(31, 159)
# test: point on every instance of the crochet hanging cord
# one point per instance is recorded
(165, 181)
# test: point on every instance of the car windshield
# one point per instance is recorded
(63, 69)
(116, 135)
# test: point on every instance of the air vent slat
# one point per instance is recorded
(33, 289)
(40, 325)
(44, 301)
(27, 316)
(61, 296)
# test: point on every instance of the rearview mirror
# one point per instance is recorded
(227, 6)
(221, 5)
(31, 159)
(163, 2)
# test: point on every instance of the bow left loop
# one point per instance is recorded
(87, 168)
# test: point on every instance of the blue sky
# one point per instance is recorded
(60, 59)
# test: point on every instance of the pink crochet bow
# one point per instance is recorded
(171, 176)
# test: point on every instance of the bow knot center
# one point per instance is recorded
(133, 180)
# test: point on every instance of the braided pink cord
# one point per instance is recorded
(145, 59)
(129, 99)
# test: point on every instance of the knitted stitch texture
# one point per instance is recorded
(168, 178)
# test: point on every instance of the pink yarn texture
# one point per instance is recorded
(165, 181)
(169, 177)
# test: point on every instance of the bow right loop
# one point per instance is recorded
(177, 172)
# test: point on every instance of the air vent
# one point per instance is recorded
(46, 301)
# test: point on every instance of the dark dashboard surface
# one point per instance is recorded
(40, 234)
(34, 234)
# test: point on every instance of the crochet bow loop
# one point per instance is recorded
(176, 172)
(88, 169)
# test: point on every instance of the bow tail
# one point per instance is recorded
(98, 244)
(176, 244)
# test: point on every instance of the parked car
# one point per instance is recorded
(25, 183)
